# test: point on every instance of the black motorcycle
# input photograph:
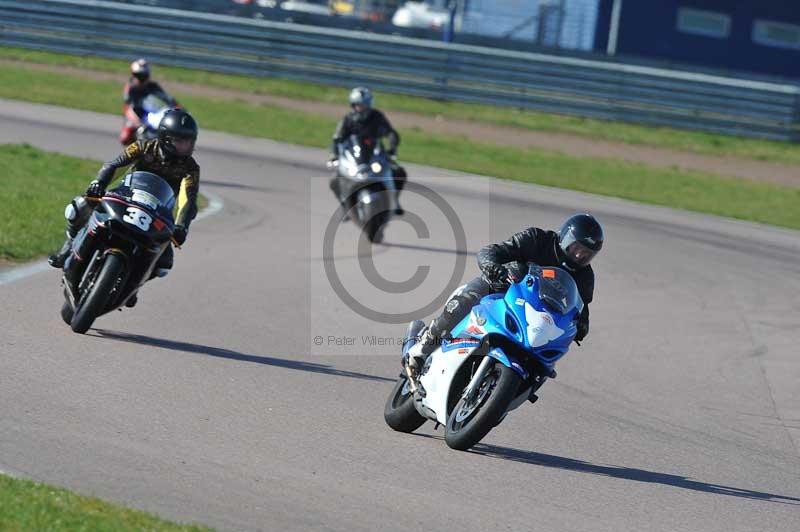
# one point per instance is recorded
(116, 251)
(366, 186)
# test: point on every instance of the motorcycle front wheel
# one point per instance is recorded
(473, 417)
(67, 313)
(372, 217)
(93, 304)
(373, 229)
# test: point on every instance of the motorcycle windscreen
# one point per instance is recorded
(361, 149)
(557, 289)
(148, 190)
(153, 104)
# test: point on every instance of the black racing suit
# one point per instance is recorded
(182, 174)
(371, 129)
(531, 245)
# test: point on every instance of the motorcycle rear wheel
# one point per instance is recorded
(399, 412)
(471, 420)
(95, 302)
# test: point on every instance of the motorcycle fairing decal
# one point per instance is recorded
(541, 329)
(476, 322)
(459, 343)
(145, 198)
(123, 202)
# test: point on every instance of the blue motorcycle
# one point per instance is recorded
(499, 356)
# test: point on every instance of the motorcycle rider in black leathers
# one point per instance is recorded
(170, 157)
(572, 248)
(369, 125)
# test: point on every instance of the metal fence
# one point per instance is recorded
(558, 84)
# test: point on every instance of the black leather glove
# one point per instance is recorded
(583, 330)
(496, 274)
(179, 234)
(96, 189)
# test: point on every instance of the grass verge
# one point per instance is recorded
(736, 198)
(35, 186)
(27, 505)
(697, 142)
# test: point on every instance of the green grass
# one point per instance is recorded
(26, 505)
(698, 142)
(736, 198)
(35, 187)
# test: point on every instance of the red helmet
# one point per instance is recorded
(140, 69)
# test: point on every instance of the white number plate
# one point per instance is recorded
(139, 218)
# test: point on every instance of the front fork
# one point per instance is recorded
(477, 378)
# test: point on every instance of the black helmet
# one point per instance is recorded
(579, 240)
(177, 133)
(361, 97)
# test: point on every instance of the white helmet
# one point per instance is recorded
(363, 97)
(140, 69)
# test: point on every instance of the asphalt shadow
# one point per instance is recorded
(428, 248)
(626, 473)
(621, 472)
(230, 354)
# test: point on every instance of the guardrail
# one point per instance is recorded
(566, 85)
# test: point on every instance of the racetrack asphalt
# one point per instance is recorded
(211, 401)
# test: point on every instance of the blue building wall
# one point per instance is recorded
(648, 29)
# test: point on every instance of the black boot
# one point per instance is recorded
(419, 352)
(131, 302)
(58, 259)
(400, 178)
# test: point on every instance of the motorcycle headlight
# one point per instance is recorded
(376, 167)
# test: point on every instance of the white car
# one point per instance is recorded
(420, 15)
(305, 7)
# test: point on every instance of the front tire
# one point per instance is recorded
(399, 412)
(96, 300)
(67, 313)
(373, 216)
(374, 227)
(470, 421)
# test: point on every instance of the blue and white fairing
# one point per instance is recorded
(154, 110)
(538, 314)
